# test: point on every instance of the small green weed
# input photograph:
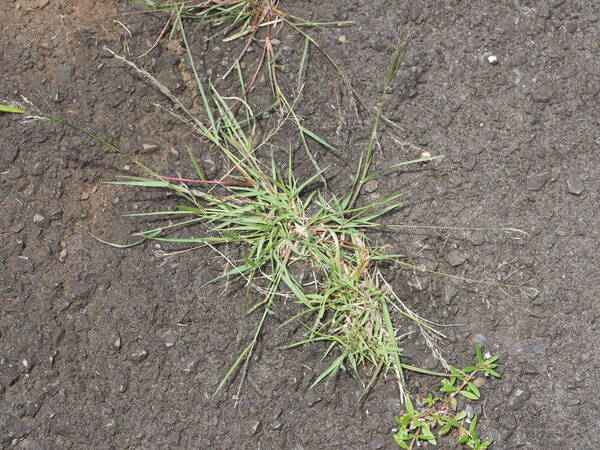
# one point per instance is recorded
(415, 426)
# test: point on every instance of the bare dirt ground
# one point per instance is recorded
(106, 348)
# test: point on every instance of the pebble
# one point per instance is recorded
(537, 181)
(449, 294)
(61, 305)
(187, 365)
(531, 348)
(82, 323)
(574, 183)
(479, 381)
(17, 228)
(419, 283)
(111, 427)
(518, 399)
(138, 355)
(85, 196)
(63, 254)
(148, 147)
(342, 39)
(8, 153)
(520, 439)
(455, 258)
(115, 340)
(492, 59)
(478, 339)
(253, 427)
(40, 220)
(371, 186)
(38, 170)
(169, 340)
(15, 173)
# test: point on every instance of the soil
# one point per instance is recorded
(109, 348)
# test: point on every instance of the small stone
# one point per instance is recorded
(529, 369)
(419, 283)
(81, 323)
(425, 155)
(15, 173)
(40, 220)
(253, 427)
(149, 147)
(8, 153)
(81, 290)
(85, 196)
(38, 170)
(138, 355)
(42, 4)
(187, 365)
(18, 227)
(115, 340)
(478, 339)
(371, 186)
(342, 39)
(455, 258)
(518, 399)
(574, 183)
(531, 348)
(61, 305)
(275, 42)
(170, 340)
(63, 254)
(520, 439)
(111, 427)
(479, 381)
(492, 59)
(17, 6)
(27, 364)
(536, 182)
(477, 239)
(449, 294)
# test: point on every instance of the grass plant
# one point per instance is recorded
(280, 221)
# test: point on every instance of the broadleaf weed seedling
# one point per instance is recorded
(441, 412)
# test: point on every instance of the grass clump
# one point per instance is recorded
(252, 22)
(280, 222)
